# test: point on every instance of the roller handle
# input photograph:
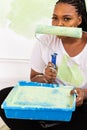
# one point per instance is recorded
(53, 59)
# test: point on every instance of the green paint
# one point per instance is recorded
(70, 74)
(25, 15)
(60, 31)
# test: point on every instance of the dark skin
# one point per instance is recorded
(49, 74)
(65, 15)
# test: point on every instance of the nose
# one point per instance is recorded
(60, 23)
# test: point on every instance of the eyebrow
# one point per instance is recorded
(66, 15)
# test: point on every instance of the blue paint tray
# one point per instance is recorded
(39, 101)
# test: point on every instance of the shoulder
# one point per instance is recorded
(48, 36)
(47, 39)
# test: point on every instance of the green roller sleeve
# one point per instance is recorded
(60, 31)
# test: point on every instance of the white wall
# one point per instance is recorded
(15, 52)
(12, 71)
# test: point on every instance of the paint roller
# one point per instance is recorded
(59, 30)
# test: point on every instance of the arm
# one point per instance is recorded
(37, 77)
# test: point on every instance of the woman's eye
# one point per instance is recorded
(67, 19)
(54, 18)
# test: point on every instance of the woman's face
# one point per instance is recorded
(65, 15)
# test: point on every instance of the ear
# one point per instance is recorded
(79, 20)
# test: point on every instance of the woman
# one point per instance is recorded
(71, 59)
(70, 65)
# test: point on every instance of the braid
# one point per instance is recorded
(80, 6)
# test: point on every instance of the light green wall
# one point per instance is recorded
(24, 15)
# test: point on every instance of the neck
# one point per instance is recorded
(70, 40)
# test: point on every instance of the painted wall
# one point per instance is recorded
(18, 20)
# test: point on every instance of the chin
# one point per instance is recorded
(60, 37)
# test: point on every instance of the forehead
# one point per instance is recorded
(64, 9)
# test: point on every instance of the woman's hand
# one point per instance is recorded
(50, 72)
(80, 95)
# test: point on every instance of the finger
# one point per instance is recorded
(75, 91)
(49, 64)
(79, 101)
(52, 69)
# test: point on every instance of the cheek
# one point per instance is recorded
(72, 24)
(54, 23)
(75, 23)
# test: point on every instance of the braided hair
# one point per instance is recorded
(80, 6)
